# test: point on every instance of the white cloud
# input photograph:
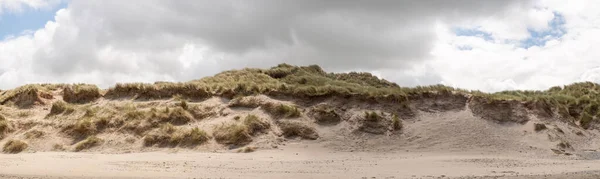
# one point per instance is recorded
(20, 5)
(111, 41)
(105, 42)
(496, 65)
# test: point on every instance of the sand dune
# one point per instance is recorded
(189, 130)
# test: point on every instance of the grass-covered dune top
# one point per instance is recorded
(578, 102)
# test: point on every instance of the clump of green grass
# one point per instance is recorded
(233, 134)
(89, 142)
(81, 93)
(372, 116)
(297, 129)
(586, 120)
(396, 123)
(60, 107)
(14, 146)
(255, 125)
(282, 110)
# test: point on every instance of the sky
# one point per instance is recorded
(491, 45)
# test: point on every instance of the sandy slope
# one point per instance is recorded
(292, 161)
(443, 139)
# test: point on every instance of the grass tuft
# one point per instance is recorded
(297, 129)
(14, 146)
(60, 107)
(396, 123)
(88, 143)
(233, 134)
(169, 136)
(81, 93)
(34, 134)
(282, 110)
(255, 125)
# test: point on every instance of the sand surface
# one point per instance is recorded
(292, 161)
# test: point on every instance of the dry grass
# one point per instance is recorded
(81, 93)
(169, 136)
(297, 129)
(60, 107)
(233, 134)
(255, 125)
(89, 142)
(24, 114)
(190, 138)
(247, 150)
(325, 114)
(4, 126)
(396, 123)
(33, 134)
(177, 116)
(14, 146)
(81, 129)
(23, 96)
(372, 116)
(577, 102)
(282, 110)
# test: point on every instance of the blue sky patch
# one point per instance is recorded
(473, 32)
(539, 38)
(13, 24)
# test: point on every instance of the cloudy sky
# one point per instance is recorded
(487, 45)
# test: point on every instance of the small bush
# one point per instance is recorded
(255, 125)
(293, 129)
(60, 107)
(233, 134)
(88, 143)
(14, 146)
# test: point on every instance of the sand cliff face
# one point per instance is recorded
(349, 112)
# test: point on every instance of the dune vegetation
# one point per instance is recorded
(157, 114)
